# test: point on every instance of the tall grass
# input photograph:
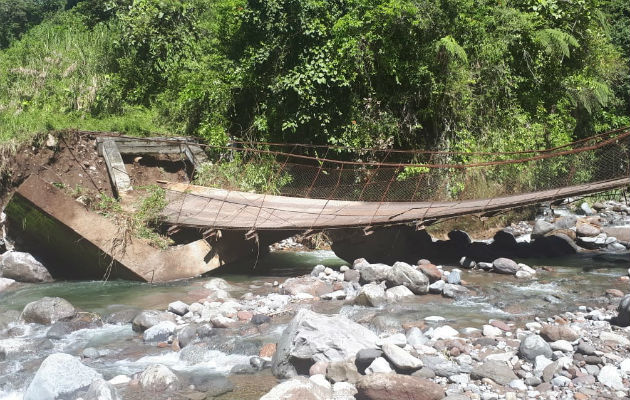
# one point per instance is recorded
(53, 79)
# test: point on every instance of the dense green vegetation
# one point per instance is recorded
(449, 74)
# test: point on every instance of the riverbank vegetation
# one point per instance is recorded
(456, 74)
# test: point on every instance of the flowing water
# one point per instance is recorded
(571, 282)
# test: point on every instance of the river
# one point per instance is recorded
(564, 283)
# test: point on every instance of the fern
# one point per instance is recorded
(450, 46)
(589, 93)
(555, 42)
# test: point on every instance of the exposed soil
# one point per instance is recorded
(72, 162)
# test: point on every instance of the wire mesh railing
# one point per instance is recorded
(380, 175)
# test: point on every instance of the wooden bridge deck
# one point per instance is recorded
(202, 207)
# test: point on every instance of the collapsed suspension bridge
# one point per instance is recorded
(371, 202)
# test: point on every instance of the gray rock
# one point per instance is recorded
(259, 319)
(60, 376)
(47, 310)
(90, 352)
(312, 337)
(442, 367)
(186, 335)
(211, 383)
(178, 307)
(398, 293)
(533, 346)
(566, 222)
(415, 337)
(372, 272)
(587, 230)
(587, 209)
(437, 287)
(424, 372)
(454, 277)
(82, 320)
(454, 291)
(318, 269)
(400, 358)
(365, 357)
(148, 318)
(541, 228)
(342, 371)
(623, 312)
(404, 274)
(505, 266)
(23, 267)
(467, 262)
(122, 317)
(158, 378)
(100, 389)
(498, 371)
(159, 332)
(561, 381)
(372, 295)
(351, 276)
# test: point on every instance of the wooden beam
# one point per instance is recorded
(116, 167)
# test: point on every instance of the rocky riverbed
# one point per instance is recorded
(503, 328)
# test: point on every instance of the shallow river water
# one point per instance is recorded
(569, 283)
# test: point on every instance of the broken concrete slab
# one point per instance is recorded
(79, 244)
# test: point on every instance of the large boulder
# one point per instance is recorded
(372, 272)
(393, 386)
(60, 376)
(533, 346)
(48, 310)
(299, 388)
(404, 274)
(505, 266)
(23, 267)
(148, 318)
(312, 337)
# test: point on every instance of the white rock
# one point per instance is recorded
(443, 332)
(533, 326)
(344, 391)
(178, 307)
(159, 332)
(523, 275)
(158, 378)
(401, 358)
(624, 366)
(613, 337)
(561, 381)
(217, 283)
(398, 293)
(609, 376)
(120, 380)
(5, 283)
(292, 388)
(540, 364)
(321, 380)
(434, 318)
(398, 339)
(562, 345)
(58, 376)
(491, 331)
(518, 384)
(461, 379)
(379, 366)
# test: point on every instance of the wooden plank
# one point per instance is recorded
(204, 207)
(157, 145)
(116, 167)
